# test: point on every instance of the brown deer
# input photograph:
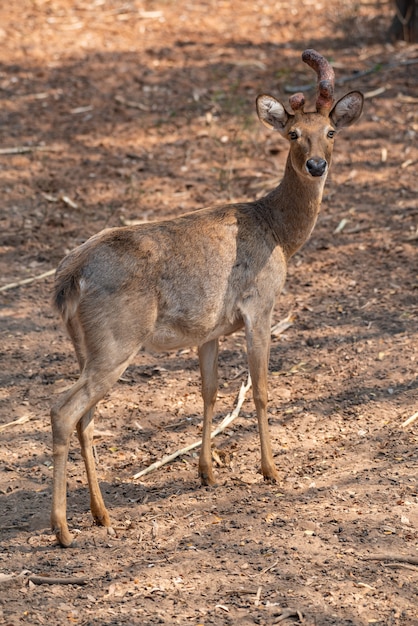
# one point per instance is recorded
(188, 281)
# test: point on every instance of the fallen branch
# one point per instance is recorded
(58, 580)
(4, 578)
(412, 560)
(374, 92)
(27, 149)
(286, 613)
(283, 325)
(21, 420)
(224, 424)
(413, 568)
(410, 420)
(407, 99)
(257, 598)
(8, 577)
(239, 592)
(27, 281)
(270, 567)
(131, 103)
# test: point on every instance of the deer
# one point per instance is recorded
(186, 282)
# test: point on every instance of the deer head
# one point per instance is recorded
(311, 135)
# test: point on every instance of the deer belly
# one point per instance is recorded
(176, 335)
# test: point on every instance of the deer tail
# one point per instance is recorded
(67, 289)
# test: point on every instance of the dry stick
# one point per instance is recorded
(413, 560)
(270, 567)
(27, 149)
(224, 424)
(286, 613)
(410, 420)
(283, 325)
(258, 596)
(21, 420)
(398, 565)
(26, 281)
(57, 580)
(374, 92)
(131, 103)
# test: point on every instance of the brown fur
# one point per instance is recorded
(186, 282)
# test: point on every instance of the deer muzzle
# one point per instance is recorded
(316, 167)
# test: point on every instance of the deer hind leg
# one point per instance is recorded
(85, 431)
(258, 348)
(76, 406)
(208, 360)
(64, 418)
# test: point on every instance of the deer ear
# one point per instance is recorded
(271, 112)
(347, 110)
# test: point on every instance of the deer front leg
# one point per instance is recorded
(258, 348)
(208, 360)
(85, 431)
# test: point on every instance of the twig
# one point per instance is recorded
(7, 577)
(224, 424)
(131, 103)
(286, 613)
(4, 578)
(239, 592)
(374, 92)
(57, 580)
(26, 281)
(21, 420)
(257, 598)
(410, 420)
(413, 568)
(70, 202)
(283, 325)
(407, 99)
(270, 567)
(413, 560)
(27, 149)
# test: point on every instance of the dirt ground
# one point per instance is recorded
(138, 110)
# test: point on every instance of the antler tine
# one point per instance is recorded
(326, 79)
(297, 102)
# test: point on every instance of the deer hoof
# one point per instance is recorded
(207, 479)
(101, 519)
(271, 477)
(64, 537)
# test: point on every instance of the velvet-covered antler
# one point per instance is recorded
(326, 79)
(297, 102)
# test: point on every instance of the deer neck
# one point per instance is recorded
(293, 208)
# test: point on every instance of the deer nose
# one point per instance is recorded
(316, 167)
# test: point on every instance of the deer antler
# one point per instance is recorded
(325, 74)
(297, 102)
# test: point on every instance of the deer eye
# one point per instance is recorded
(330, 134)
(293, 135)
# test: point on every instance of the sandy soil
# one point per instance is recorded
(139, 110)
